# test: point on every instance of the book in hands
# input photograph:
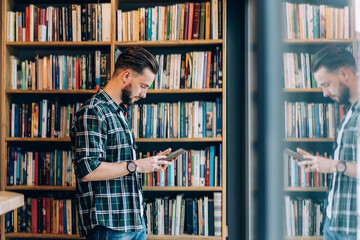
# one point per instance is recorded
(173, 155)
(295, 155)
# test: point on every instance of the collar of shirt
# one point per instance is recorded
(112, 104)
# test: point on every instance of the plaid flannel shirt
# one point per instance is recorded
(101, 133)
(343, 213)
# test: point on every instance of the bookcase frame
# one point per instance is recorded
(313, 91)
(9, 48)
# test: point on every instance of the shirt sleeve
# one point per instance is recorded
(89, 140)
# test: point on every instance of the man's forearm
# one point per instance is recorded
(107, 171)
(350, 169)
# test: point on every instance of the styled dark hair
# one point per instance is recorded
(137, 59)
(333, 57)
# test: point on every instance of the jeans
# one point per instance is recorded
(330, 235)
(104, 233)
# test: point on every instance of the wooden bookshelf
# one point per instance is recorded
(309, 140)
(178, 43)
(305, 189)
(46, 48)
(302, 90)
(305, 238)
(317, 41)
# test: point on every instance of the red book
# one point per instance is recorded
(196, 21)
(191, 13)
(27, 24)
(207, 181)
(189, 169)
(47, 167)
(61, 216)
(48, 215)
(158, 179)
(307, 179)
(44, 207)
(36, 168)
(186, 21)
(34, 215)
(77, 73)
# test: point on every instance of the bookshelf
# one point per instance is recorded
(27, 50)
(300, 42)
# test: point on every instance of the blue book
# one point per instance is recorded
(296, 171)
(218, 117)
(182, 119)
(57, 77)
(195, 220)
(10, 164)
(40, 119)
(51, 183)
(317, 121)
(148, 120)
(65, 217)
(212, 166)
(65, 87)
(18, 160)
(149, 24)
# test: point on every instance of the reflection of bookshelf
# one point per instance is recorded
(26, 50)
(303, 36)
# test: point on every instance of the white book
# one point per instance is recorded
(44, 122)
(154, 24)
(200, 70)
(177, 71)
(155, 121)
(32, 12)
(346, 22)
(119, 25)
(178, 213)
(106, 21)
(13, 69)
(78, 22)
(206, 215)
(197, 168)
(214, 18)
(172, 71)
(202, 168)
(217, 214)
(73, 23)
(49, 17)
(200, 120)
(196, 119)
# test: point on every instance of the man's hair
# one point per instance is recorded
(136, 59)
(332, 58)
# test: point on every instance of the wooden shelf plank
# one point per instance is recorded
(156, 140)
(182, 189)
(42, 235)
(317, 41)
(142, 140)
(182, 236)
(309, 140)
(39, 188)
(19, 139)
(150, 91)
(57, 44)
(302, 90)
(10, 201)
(305, 238)
(305, 189)
(177, 43)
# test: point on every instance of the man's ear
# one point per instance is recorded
(125, 75)
(345, 75)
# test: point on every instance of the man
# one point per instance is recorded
(108, 190)
(334, 70)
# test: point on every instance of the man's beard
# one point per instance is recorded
(125, 95)
(344, 96)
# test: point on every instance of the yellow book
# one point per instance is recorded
(182, 21)
(15, 220)
(207, 20)
(135, 26)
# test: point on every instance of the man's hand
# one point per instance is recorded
(153, 163)
(316, 163)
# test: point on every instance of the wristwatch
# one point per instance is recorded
(131, 166)
(340, 166)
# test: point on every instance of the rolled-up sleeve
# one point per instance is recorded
(89, 133)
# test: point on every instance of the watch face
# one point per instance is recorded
(132, 167)
(340, 167)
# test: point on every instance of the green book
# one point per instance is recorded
(202, 20)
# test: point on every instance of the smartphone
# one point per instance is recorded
(296, 155)
(174, 154)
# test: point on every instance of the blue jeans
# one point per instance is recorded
(330, 235)
(104, 233)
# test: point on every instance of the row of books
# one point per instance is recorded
(295, 176)
(310, 120)
(42, 119)
(44, 215)
(173, 22)
(193, 168)
(60, 72)
(175, 216)
(190, 70)
(39, 168)
(303, 217)
(297, 73)
(307, 21)
(86, 22)
(177, 120)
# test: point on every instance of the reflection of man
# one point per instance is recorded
(334, 69)
(108, 189)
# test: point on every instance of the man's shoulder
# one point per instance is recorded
(94, 104)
